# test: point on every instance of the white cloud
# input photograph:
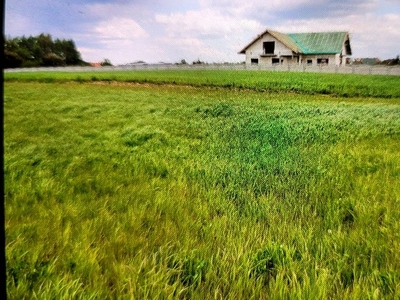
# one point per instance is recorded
(249, 7)
(120, 40)
(122, 10)
(191, 49)
(88, 54)
(119, 29)
(206, 23)
(264, 9)
(376, 36)
(123, 53)
(206, 34)
(394, 1)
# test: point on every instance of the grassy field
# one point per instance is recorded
(345, 85)
(191, 188)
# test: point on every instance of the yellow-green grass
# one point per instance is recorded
(118, 191)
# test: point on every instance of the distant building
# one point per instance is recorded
(137, 63)
(366, 61)
(314, 48)
(95, 64)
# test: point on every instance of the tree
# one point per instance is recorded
(198, 62)
(40, 51)
(67, 50)
(106, 62)
(46, 44)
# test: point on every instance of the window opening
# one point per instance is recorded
(322, 61)
(348, 48)
(269, 47)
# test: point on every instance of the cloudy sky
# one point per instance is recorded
(125, 31)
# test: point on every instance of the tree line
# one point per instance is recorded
(40, 51)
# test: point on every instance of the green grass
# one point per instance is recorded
(345, 85)
(177, 192)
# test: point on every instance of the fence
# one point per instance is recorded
(348, 69)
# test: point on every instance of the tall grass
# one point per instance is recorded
(345, 85)
(148, 192)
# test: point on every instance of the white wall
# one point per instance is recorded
(256, 50)
(333, 59)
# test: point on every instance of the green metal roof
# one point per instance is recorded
(308, 43)
(319, 42)
(286, 40)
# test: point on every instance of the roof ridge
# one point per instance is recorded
(333, 31)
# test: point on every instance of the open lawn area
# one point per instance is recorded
(150, 185)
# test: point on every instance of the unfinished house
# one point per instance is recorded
(314, 48)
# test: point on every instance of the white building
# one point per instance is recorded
(315, 48)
